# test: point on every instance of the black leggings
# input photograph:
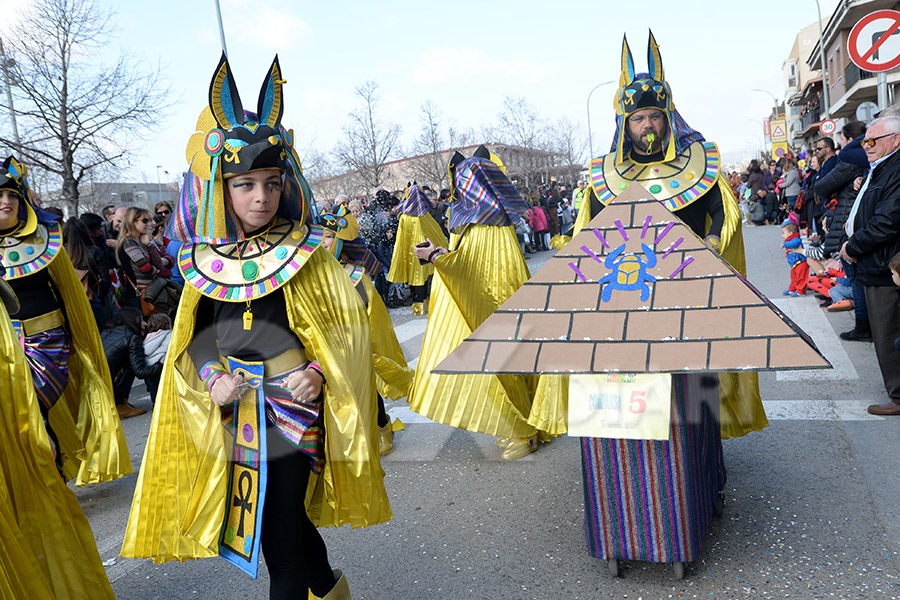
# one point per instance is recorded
(295, 552)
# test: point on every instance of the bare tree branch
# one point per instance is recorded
(76, 116)
(368, 143)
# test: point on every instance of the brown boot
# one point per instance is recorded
(127, 411)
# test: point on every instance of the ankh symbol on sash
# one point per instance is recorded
(243, 501)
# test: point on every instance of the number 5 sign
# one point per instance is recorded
(620, 405)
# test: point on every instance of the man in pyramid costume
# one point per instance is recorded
(655, 147)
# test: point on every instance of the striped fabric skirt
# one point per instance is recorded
(652, 500)
(47, 353)
(299, 423)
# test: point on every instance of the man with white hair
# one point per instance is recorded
(873, 227)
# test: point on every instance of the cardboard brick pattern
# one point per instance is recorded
(585, 312)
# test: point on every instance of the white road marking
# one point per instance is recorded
(410, 330)
(806, 313)
(819, 410)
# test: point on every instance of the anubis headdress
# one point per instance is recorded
(228, 142)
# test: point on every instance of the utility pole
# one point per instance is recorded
(9, 101)
(221, 29)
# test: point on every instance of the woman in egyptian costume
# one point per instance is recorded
(48, 549)
(483, 267)
(392, 373)
(267, 403)
(56, 328)
(416, 226)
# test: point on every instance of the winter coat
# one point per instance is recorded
(791, 185)
(837, 195)
(538, 219)
(156, 344)
(876, 228)
(124, 350)
(755, 181)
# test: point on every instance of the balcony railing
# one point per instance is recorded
(811, 116)
(852, 74)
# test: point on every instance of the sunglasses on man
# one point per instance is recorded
(870, 142)
(164, 212)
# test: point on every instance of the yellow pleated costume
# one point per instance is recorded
(405, 267)
(392, 373)
(471, 282)
(47, 548)
(179, 500)
(91, 441)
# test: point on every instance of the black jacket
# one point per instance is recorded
(837, 185)
(876, 228)
(125, 350)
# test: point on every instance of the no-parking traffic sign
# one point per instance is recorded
(874, 42)
(827, 127)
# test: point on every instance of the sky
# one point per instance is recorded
(464, 57)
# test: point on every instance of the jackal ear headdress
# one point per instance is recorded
(230, 141)
(648, 90)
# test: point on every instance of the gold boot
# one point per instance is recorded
(417, 308)
(386, 439)
(503, 442)
(519, 447)
(425, 307)
(340, 591)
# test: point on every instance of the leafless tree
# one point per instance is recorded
(368, 142)
(521, 126)
(74, 113)
(430, 149)
(568, 145)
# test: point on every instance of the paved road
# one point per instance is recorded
(809, 514)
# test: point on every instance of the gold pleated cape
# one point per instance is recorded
(405, 267)
(91, 440)
(740, 406)
(392, 373)
(47, 548)
(179, 500)
(485, 269)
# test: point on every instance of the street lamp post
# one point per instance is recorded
(221, 28)
(824, 72)
(774, 99)
(590, 137)
(158, 185)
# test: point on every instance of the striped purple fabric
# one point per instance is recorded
(359, 254)
(652, 500)
(415, 203)
(47, 353)
(484, 195)
(300, 423)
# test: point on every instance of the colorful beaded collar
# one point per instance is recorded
(676, 183)
(236, 272)
(26, 255)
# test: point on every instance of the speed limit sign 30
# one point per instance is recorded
(827, 127)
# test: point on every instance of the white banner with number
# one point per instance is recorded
(634, 406)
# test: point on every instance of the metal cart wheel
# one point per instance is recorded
(613, 564)
(679, 570)
(720, 504)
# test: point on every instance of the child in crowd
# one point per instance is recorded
(156, 344)
(793, 248)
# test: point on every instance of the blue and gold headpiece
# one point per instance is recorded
(230, 141)
(644, 90)
(14, 176)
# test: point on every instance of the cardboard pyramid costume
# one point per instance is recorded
(636, 291)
